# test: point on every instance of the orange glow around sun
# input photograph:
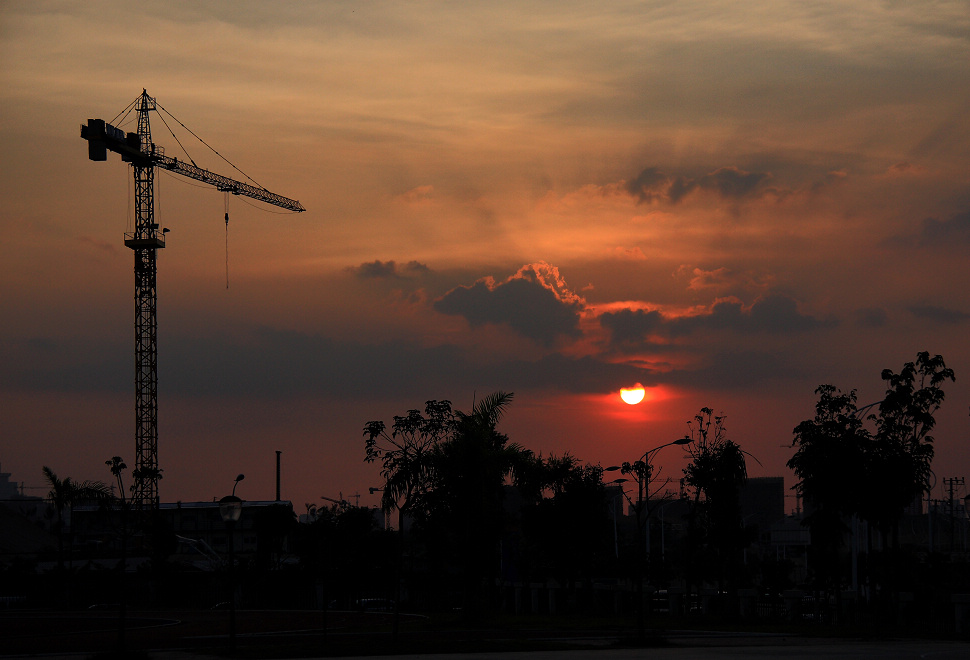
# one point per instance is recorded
(632, 395)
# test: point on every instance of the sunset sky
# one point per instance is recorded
(731, 203)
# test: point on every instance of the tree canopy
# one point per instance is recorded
(844, 469)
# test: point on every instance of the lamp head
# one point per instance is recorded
(230, 508)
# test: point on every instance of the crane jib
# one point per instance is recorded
(225, 184)
(103, 137)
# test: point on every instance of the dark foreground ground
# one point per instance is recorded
(185, 635)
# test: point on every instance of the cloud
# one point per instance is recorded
(650, 185)
(629, 254)
(102, 246)
(421, 194)
(775, 314)
(74, 364)
(654, 185)
(632, 326)
(778, 314)
(724, 281)
(946, 233)
(730, 182)
(874, 317)
(740, 369)
(535, 302)
(903, 169)
(708, 279)
(283, 363)
(388, 269)
(939, 314)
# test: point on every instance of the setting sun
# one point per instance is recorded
(632, 395)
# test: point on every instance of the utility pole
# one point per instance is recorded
(951, 484)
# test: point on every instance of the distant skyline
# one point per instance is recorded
(730, 205)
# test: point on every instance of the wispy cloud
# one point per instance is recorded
(938, 314)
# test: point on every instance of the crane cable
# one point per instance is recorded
(176, 137)
(227, 239)
(125, 112)
(230, 163)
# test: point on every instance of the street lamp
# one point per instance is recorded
(230, 508)
(640, 471)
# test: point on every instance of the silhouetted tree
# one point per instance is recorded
(903, 449)
(469, 472)
(717, 472)
(830, 463)
(569, 531)
(347, 555)
(64, 495)
(406, 455)
(450, 471)
(273, 526)
(845, 470)
(117, 467)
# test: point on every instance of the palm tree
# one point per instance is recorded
(116, 465)
(470, 471)
(447, 468)
(64, 494)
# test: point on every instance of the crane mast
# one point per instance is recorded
(145, 241)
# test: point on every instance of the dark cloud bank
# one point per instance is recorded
(523, 303)
(771, 314)
(653, 184)
(389, 269)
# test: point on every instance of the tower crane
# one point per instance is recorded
(146, 239)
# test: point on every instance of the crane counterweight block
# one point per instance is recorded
(103, 137)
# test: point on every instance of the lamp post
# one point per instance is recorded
(641, 470)
(230, 508)
(622, 493)
(399, 570)
(387, 512)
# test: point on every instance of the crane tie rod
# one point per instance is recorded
(160, 107)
